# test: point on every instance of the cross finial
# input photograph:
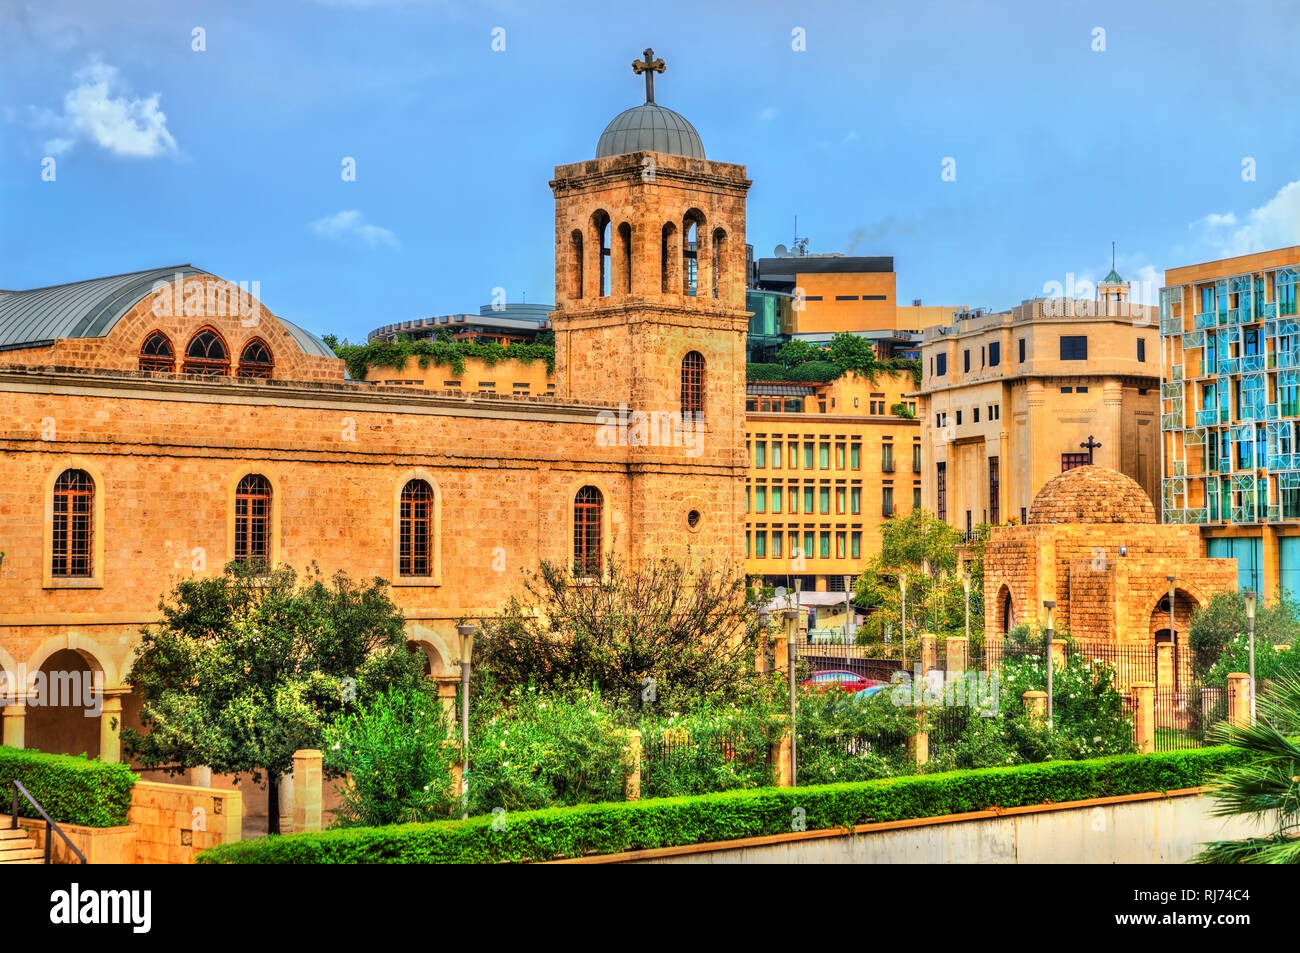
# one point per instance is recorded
(649, 66)
(1090, 446)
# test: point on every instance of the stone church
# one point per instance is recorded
(159, 424)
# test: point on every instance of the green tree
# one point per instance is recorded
(659, 631)
(854, 353)
(1222, 623)
(397, 754)
(1264, 787)
(795, 351)
(249, 666)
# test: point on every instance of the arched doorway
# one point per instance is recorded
(1173, 664)
(63, 705)
(1006, 611)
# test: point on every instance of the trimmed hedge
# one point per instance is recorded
(72, 790)
(666, 822)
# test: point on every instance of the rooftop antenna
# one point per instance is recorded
(1112, 256)
(800, 246)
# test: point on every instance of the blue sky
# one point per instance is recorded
(230, 157)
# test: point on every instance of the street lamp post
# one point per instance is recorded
(965, 584)
(467, 633)
(902, 615)
(791, 631)
(764, 617)
(1049, 605)
(848, 612)
(1250, 624)
(1173, 636)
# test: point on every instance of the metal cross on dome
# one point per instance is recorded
(1090, 446)
(649, 66)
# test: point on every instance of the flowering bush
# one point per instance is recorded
(532, 750)
(844, 738)
(398, 756)
(713, 747)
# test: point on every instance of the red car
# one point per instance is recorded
(845, 681)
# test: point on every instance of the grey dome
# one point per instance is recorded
(650, 128)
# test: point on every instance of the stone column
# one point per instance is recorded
(448, 689)
(306, 790)
(928, 660)
(918, 746)
(1239, 698)
(781, 753)
(956, 650)
(286, 803)
(1165, 665)
(1035, 703)
(110, 727)
(781, 648)
(1144, 716)
(15, 724)
(1112, 395)
(632, 779)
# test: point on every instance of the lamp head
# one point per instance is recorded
(764, 617)
(467, 632)
(1249, 596)
(1049, 605)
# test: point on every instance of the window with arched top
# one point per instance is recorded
(691, 224)
(668, 258)
(255, 359)
(575, 264)
(588, 514)
(693, 384)
(253, 518)
(601, 225)
(415, 530)
(156, 353)
(625, 258)
(72, 552)
(207, 355)
(719, 243)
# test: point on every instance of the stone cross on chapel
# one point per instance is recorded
(649, 66)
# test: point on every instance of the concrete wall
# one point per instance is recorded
(1137, 829)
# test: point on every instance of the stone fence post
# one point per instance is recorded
(307, 795)
(780, 754)
(1239, 698)
(918, 746)
(632, 766)
(1144, 716)
(957, 652)
(1035, 703)
(928, 660)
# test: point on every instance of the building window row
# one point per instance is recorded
(778, 543)
(206, 355)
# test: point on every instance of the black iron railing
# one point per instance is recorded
(50, 824)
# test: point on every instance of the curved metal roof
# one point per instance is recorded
(90, 309)
(80, 309)
(650, 128)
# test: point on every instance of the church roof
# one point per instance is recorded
(92, 308)
(1092, 494)
(79, 309)
(1112, 279)
(650, 128)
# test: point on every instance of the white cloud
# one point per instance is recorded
(768, 114)
(135, 128)
(348, 226)
(1275, 224)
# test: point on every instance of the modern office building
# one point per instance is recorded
(1230, 331)
(1009, 400)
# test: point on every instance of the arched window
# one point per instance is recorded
(156, 354)
(719, 243)
(690, 251)
(206, 354)
(588, 513)
(625, 258)
(253, 518)
(575, 264)
(600, 222)
(255, 359)
(693, 385)
(668, 258)
(415, 530)
(74, 520)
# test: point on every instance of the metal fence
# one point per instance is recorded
(1185, 719)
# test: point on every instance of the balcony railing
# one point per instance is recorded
(886, 510)
(887, 466)
(1266, 309)
(1252, 362)
(1171, 421)
(1171, 325)
(1229, 365)
(1201, 322)
(1206, 418)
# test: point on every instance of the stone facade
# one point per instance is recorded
(166, 451)
(1093, 546)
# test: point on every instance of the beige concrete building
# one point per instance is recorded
(1007, 399)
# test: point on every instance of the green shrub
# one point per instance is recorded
(844, 738)
(641, 825)
(711, 748)
(531, 750)
(398, 755)
(72, 790)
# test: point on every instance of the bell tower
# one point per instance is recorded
(650, 316)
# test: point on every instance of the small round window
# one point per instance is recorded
(693, 519)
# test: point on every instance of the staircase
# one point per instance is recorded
(18, 847)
